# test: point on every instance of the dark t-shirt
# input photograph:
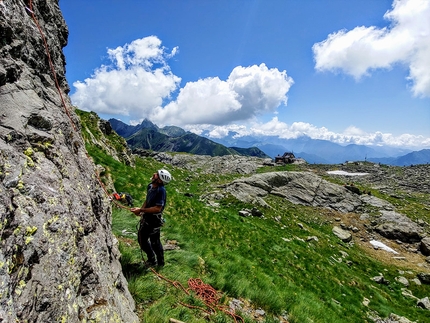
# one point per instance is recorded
(155, 196)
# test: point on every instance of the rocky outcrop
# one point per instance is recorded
(425, 246)
(298, 187)
(228, 164)
(396, 226)
(105, 138)
(387, 179)
(58, 257)
(307, 188)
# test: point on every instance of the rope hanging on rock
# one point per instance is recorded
(51, 65)
(57, 85)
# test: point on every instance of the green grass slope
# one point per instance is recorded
(268, 262)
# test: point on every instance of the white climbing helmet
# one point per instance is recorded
(165, 176)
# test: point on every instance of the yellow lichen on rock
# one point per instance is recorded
(17, 231)
(29, 152)
(20, 287)
(30, 162)
(20, 185)
(30, 230)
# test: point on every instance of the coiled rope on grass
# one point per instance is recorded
(205, 292)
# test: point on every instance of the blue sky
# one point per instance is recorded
(349, 71)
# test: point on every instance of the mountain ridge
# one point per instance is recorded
(147, 135)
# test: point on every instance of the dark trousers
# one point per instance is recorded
(149, 241)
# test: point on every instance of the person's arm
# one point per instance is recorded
(138, 210)
(158, 208)
(152, 209)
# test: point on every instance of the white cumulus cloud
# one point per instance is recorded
(277, 128)
(406, 40)
(136, 81)
(248, 92)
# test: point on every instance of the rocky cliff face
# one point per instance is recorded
(58, 258)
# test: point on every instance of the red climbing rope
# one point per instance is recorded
(54, 74)
(206, 293)
(51, 65)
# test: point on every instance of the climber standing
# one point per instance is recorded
(151, 218)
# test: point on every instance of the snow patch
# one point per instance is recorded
(341, 172)
(380, 245)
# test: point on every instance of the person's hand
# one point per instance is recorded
(135, 210)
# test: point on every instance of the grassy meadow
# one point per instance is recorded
(286, 263)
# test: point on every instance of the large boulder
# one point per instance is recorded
(396, 226)
(303, 188)
(59, 261)
(343, 235)
(425, 246)
(424, 303)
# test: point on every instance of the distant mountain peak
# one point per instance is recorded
(147, 135)
(148, 124)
